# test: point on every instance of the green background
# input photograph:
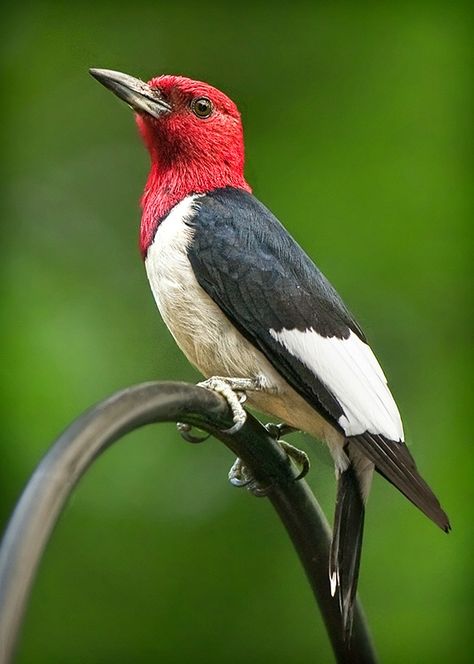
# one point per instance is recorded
(358, 133)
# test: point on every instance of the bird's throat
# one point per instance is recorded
(165, 187)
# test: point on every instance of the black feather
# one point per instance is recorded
(393, 460)
(347, 544)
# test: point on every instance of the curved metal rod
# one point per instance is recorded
(93, 432)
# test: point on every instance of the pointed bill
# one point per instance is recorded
(136, 93)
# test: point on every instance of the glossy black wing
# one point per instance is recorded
(262, 280)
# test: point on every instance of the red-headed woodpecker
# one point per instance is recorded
(246, 304)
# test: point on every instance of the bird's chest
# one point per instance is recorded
(199, 327)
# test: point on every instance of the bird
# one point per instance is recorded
(254, 314)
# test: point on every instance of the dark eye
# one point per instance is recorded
(202, 107)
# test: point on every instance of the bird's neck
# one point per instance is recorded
(166, 187)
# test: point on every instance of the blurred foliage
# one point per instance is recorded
(358, 121)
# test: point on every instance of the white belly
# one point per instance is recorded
(206, 336)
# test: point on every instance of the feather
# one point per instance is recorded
(393, 460)
(346, 545)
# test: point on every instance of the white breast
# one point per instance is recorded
(201, 330)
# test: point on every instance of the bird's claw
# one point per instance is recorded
(240, 477)
(185, 432)
(300, 457)
(234, 399)
(279, 430)
(233, 391)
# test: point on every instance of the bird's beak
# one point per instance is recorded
(137, 94)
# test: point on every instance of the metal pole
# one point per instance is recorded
(93, 432)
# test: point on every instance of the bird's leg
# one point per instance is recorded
(234, 392)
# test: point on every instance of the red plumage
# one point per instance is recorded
(188, 154)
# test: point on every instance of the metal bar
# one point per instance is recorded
(93, 432)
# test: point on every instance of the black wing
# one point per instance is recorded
(262, 280)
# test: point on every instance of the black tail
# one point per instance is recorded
(346, 545)
(394, 461)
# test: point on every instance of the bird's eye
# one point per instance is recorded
(202, 107)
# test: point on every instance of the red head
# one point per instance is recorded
(193, 133)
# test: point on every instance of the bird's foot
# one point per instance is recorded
(232, 389)
(234, 392)
(300, 457)
(185, 431)
(241, 477)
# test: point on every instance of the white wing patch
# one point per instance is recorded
(350, 371)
